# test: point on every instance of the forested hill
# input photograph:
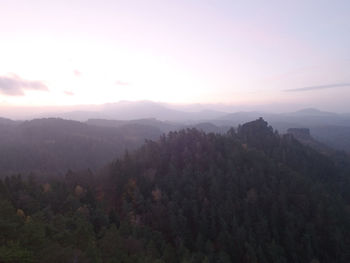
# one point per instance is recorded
(52, 146)
(250, 195)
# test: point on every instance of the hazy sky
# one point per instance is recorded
(241, 52)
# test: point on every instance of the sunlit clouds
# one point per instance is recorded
(320, 87)
(13, 85)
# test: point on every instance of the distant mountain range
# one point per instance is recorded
(126, 110)
(328, 127)
(106, 131)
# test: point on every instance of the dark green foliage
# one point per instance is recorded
(250, 196)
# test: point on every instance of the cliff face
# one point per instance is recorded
(303, 135)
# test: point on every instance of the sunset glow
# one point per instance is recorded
(86, 52)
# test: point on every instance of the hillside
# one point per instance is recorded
(250, 195)
(53, 146)
(330, 128)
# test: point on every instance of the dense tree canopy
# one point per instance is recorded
(250, 195)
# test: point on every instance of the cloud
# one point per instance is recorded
(77, 73)
(15, 86)
(122, 83)
(69, 93)
(330, 86)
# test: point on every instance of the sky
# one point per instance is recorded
(62, 52)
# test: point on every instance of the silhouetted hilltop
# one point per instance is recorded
(330, 128)
(5, 121)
